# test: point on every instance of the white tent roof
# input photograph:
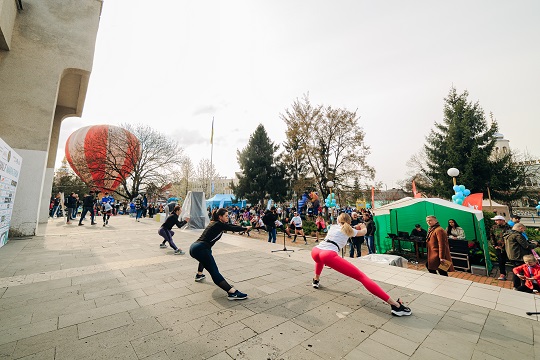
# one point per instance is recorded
(385, 210)
(485, 203)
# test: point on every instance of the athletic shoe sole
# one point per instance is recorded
(401, 312)
(236, 298)
(200, 279)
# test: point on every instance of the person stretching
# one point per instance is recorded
(297, 222)
(166, 232)
(201, 250)
(327, 253)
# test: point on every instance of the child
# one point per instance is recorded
(166, 232)
(528, 272)
(321, 226)
(107, 211)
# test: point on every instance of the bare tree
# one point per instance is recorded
(205, 174)
(330, 141)
(186, 176)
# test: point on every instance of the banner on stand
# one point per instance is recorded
(10, 168)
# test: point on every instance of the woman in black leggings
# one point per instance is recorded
(202, 251)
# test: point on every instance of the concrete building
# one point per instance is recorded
(46, 55)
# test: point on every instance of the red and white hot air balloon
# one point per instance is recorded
(102, 155)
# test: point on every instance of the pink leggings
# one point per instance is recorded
(332, 259)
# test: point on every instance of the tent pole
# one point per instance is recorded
(489, 197)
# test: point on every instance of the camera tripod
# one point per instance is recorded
(284, 247)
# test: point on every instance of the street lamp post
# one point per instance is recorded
(330, 185)
(453, 172)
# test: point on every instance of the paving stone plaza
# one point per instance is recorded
(94, 292)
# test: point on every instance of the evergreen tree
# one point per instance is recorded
(263, 175)
(464, 140)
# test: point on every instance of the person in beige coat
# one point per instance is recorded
(438, 250)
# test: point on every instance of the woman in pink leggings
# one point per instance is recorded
(327, 253)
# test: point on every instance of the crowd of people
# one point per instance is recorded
(291, 222)
(512, 246)
(95, 204)
(508, 238)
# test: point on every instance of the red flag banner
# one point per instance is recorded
(474, 201)
(372, 197)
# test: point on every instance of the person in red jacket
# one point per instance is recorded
(529, 274)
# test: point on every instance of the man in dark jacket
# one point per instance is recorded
(370, 235)
(496, 236)
(71, 205)
(269, 220)
(356, 241)
(88, 206)
(515, 244)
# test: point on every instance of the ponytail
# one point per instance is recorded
(345, 221)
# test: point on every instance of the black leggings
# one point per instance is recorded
(203, 253)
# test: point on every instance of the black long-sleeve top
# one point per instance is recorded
(89, 201)
(173, 220)
(215, 229)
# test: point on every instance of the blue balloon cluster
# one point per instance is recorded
(460, 194)
(330, 200)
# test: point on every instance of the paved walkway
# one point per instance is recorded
(110, 293)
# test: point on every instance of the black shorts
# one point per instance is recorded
(297, 228)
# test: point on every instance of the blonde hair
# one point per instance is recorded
(518, 226)
(528, 258)
(345, 221)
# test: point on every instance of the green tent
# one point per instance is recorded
(402, 215)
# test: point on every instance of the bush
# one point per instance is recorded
(309, 227)
(533, 233)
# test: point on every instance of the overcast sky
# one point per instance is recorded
(175, 64)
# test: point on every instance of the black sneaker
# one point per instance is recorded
(200, 277)
(162, 246)
(237, 295)
(315, 284)
(402, 310)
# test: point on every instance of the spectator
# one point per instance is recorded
(88, 206)
(419, 232)
(370, 235)
(527, 275)
(496, 236)
(269, 219)
(138, 207)
(516, 245)
(321, 226)
(71, 205)
(107, 212)
(516, 219)
(56, 205)
(356, 241)
(438, 249)
(453, 231)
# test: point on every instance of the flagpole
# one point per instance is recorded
(211, 159)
